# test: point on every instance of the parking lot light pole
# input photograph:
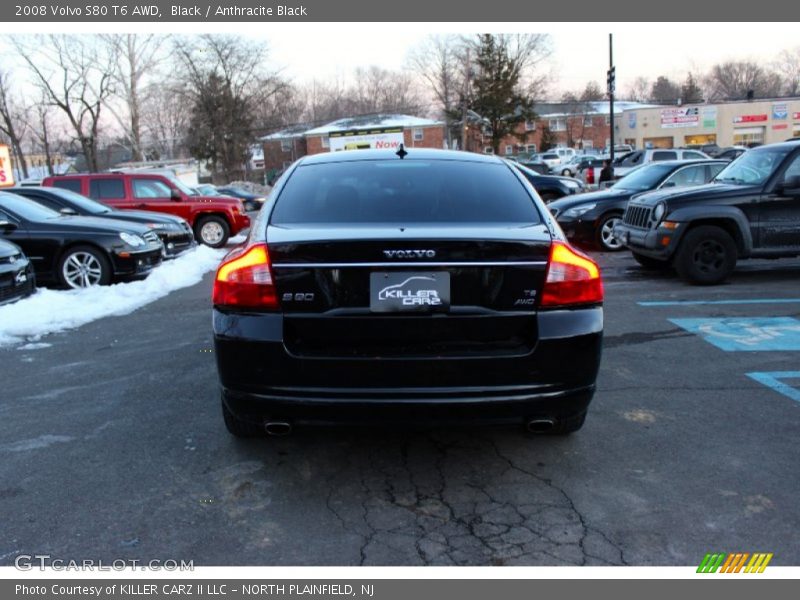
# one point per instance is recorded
(611, 81)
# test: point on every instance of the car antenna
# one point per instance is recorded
(402, 152)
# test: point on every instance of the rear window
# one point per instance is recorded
(74, 185)
(407, 191)
(665, 155)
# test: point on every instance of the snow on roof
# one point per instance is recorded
(565, 109)
(366, 122)
(296, 131)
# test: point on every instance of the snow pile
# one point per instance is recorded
(49, 311)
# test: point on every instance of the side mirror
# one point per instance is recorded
(175, 195)
(68, 212)
(7, 226)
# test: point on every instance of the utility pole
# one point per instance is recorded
(465, 98)
(611, 80)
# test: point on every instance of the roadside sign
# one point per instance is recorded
(6, 170)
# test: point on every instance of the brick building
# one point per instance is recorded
(582, 125)
(284, 147)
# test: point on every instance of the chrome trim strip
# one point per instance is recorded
(535, 263)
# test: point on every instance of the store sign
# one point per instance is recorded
(632, 120)
(781, 126)
(366, 139)
(780, 112)
(6, 172)
(680, 117)
(749, 118)
(796, 116)
(709, 117)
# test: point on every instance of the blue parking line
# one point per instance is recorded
(773, 381)
(703, 302)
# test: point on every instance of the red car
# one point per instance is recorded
(213, 218)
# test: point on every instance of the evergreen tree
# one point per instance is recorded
(690, 91)
(496, 89)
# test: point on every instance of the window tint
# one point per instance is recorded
(793, 170)
(634, 158)
(664, 155)
(107, 189)
(27, 209)
(692, 155)
(687, 176)
(713, 170)
(68, 184)
(44, 201)
(409, 191)
(150, 188)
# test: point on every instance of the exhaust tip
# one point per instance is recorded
(278, 428)
(540, 425)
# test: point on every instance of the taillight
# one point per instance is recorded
(244, 280)
(590, 175)
(572, 278)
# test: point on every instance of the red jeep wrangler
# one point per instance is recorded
(213, 218)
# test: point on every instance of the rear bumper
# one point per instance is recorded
(261, 379)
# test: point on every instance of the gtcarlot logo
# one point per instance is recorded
(29, 562)
(734, 562)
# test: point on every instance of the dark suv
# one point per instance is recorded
(750, 210)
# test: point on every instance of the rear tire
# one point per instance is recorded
(212, 231)
(239, 428)
(706, 256)
(652, 264)
(567, 173)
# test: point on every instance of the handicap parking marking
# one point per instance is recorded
(773, 381)
(734, 334)
(719, 302)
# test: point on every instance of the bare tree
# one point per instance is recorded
(75, 72)
(137, 57)
(165, 122)
(42, 132)
(788, 65)
(736, 80)
(225, 79)
(437, 61)
(638, 90)
(12, 124)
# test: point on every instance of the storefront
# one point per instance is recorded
(700, 139)
(658, 142)
(744, 136)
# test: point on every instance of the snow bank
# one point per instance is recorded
(49, 311)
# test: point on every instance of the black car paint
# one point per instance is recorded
(332, 360)
(550, 187)
(583, 229)
(17, 279)
(177, 236)
(44, 242)
(763, 220)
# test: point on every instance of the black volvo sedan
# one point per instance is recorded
(175, 233)
(422, 286)
(16, 273)
(77, 252)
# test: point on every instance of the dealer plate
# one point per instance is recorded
(409, 292)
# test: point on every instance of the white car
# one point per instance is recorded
(643, 157)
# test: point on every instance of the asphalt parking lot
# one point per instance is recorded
(112, 447)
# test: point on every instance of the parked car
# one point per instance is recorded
(750, 210)
(618, 149)
(251, 201)
(589, 219)
(551, 159)
(174, 232)
(711, 150)
(638, 158)
(206, 189)
(534, 164)
(731, 153)
(434, 287)
(570, 167)
(550, 187)
(17, 279)
(78, 252)
(564, 154)
(213, 219)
